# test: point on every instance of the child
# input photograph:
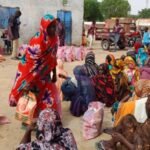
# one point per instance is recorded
(7, 42)
(91, 33)
(130, 133)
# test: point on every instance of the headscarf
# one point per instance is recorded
(129, 61)
(110, 60)
(120, 79)
(130, 67)
(41, 38)
(142, 88)
(103, 69)
(90, 65)
(117, 68)
(50, 134)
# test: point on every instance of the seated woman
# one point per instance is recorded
(131, 71)
(104, 86)
(142, 90)
(79, 91)
(129, 133)
(90, 67)
(120, 80)
(50, 134)
(145, 70)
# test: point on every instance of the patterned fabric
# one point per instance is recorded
(34, 71)
(120, 80)
(90, 66)
(135, 106)
(142, 88)
(104, 86)
(141, 57)
(131, 70)
(50, 134)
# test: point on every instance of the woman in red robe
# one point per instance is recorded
(36, 66)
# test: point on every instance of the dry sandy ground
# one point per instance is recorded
(11, 134)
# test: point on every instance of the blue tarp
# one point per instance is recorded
(5, 13)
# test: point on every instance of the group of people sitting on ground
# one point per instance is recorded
(122, 84)
(108, 82)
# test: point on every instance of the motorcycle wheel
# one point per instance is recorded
(105, 44)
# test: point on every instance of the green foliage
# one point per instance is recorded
(144, 13)
(115, 8)
(92, 11)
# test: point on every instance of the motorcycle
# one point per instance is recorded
(108, 40)
(125, 40)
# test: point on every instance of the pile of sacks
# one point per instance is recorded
(72, 53)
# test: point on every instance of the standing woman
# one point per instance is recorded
(36, 66)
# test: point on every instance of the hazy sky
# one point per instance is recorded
(137, 5)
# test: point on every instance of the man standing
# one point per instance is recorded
(13, 31)
(61, 32)
(117, 28)
(91, 33)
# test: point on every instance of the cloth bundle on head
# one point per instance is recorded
(50, 134)
(90, 65)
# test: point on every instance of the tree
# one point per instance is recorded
(92, 11)
(144, 13)
(115, 8)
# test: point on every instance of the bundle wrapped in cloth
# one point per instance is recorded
(92, 120)
(72, 53)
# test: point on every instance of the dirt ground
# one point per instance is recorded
(11, 134)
